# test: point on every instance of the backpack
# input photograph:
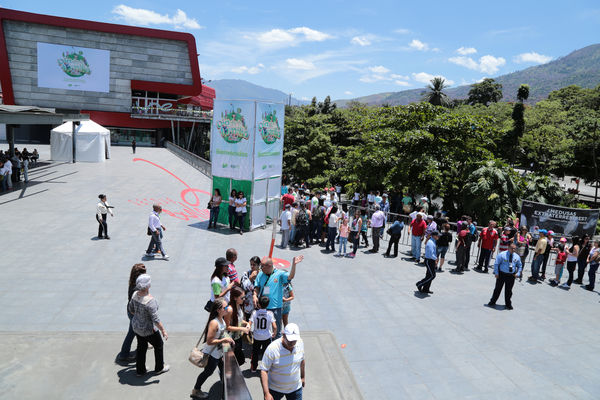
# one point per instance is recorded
(318, 213)
(302, 218)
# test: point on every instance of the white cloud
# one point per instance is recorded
(379, 69)
(424, 77)
(248, 70)
(289, 37)
(296, 63)
(361, 41)
(402, 83)
(348, 93)
(487, 64)
(396, 76)
(418, 45)
(141, 16)
(532, 57)
(402, 31)
(465, 51)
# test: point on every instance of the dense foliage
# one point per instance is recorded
(460, 154)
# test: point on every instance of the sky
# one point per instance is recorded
(348, 49)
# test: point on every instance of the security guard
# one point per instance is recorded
(507, 267)
(430, 260)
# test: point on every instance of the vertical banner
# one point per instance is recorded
(268, 148)
(232, 139)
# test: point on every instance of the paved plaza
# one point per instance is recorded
(63, 297)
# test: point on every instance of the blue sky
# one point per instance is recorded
(354, 48)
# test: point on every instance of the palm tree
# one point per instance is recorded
(435, 95)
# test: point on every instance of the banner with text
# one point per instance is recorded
(73, 68)
(268, 147)
(232, 139)
(568, 221)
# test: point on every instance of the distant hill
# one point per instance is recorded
(238, 89)
(581, 67)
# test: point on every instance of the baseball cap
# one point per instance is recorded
(563, 239)
(430, 217)
(221, 262)
(550, 232)
(291, 332)
(545, 232)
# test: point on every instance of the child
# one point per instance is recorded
(344, 230)
(288, 296)
(262, 323)
(561, 257)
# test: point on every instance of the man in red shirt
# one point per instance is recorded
(287, 198)
(417, 230)
(487, 244)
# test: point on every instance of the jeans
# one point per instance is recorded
(102, 226)
(394, 239)
(415, 243)
(292, 233)
(302, 233)
(285, 238)
(317, 229)
(343, 241)
(581, 265)
(277, 314)
(231, 210)
(214, 216)
(571, 269)
(355, 239)
(375, 232)
(296, 395)
(258, 349)
(331, 232)
(535, 266)
(484, 258)
(156, 242)
(364, 237)
(142, 346)
(508, 281)
(213, 363)
(240, 218)
(592, 276)
(126, 346)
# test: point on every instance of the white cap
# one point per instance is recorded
(291, 332)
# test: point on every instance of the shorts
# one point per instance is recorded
(441, 251)
(287, 306)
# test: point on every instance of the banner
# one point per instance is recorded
(268, 147)
(232, 139)
(568, 221)
(73, 68)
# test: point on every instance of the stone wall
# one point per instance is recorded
(131, 58)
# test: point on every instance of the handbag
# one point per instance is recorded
(248, 338)
(208, 305)
(148, 232)
(197, 356)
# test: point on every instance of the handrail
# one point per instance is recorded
(234, 383)
(194, 160)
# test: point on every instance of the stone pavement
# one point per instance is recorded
(55, 279)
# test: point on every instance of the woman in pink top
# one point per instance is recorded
(344, 230)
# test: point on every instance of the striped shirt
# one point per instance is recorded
(283, 367)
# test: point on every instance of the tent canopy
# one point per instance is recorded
(92, 142)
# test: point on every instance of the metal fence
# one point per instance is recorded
(194, 160)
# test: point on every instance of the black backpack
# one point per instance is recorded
(302, 218)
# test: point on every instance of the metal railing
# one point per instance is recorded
(233, 381)
(194, 160)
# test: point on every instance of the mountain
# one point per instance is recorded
(581, 67)
(238, 89)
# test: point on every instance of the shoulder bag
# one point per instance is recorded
(197, 356)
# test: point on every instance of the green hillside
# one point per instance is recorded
(581, 67)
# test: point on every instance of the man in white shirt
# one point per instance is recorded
(286, 220)
(282, 369)
(155, 228)
(7, 173)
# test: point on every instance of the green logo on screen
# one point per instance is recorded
(74, 64)
(232, 126)
(269, 127)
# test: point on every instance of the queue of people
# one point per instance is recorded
(12, 167)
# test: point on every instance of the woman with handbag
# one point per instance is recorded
(236, 326)
(214, 334)
(231, 208)
(215, 207)
(125, 355)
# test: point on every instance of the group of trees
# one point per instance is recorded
(460, 152)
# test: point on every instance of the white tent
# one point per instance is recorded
(92, 142)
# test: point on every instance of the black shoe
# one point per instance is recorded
(587, 287)
(419, 288)
(106, 237)
(478, 268)
(578, 282)
(490, 304)
(485, 271)
(427, 291)
(508, 307)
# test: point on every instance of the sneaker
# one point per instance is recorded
(166, 368)
(198, 394)
(166, 257)
(508, 307)
(565, 286)
(140, 375)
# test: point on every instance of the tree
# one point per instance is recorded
(436, 96)
(518, 118)
(542, 189)
(485, 92)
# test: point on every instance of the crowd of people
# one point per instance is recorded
(238, 208)
(248, 311)
(11, 167)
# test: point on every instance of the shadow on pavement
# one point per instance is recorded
(421, 295)
(127, 376)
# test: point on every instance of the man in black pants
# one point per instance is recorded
(430, 258)
(395, 233)
(506, 268)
